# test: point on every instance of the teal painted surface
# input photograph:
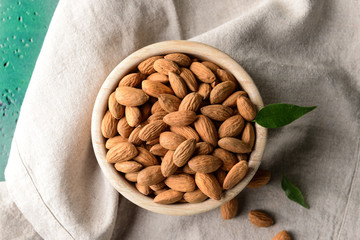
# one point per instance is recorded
(23, 25)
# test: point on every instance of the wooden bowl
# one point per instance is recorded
(203, 52)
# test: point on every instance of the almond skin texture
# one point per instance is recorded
(242, 156)
(229, 209)
(121, 153)
(221, 91)
(165, 66)
(134, 136)
(133, 116)
(130, 97)
(208, 184)
(184, 152)
(231, 127)
(157, 116)
(205, 163)
(170, 140)
(179, 58)
(261, 178)
(178, 85)
(168, 197)
(158, 77)
(131, 177)
(203, 148)
(234, 145)
(225, 76)
(158, 186)
(150, 176)
(181, 182)
(246, 108)
(203, 73)
(123, 128)
(145, 111)
(191, 102)
(152, 130)
(154, 89)
(206, 129)
(204, 90)
(235, 175)
(131, 80)
(231, 100)
(143, 189)
(145, 157)
(212, 66)
(156, 108)
(117, 110)
(147, 66)
(153, 141)
(160, 191)
(188, 170)
(228, 159)
(128, 166)
(220, 176)
(111, 142)
(189, 79)
(248, 135)
(187, 132)
(167, 165)
(195, 196)
(260, 219)
(169, 103)
(217, 112)
(158, 150)
(283, 235)
(180, 118)
(108, 125)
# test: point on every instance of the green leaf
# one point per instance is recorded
(293, 192)
(280, 114)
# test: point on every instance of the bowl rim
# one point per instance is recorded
(204, 52)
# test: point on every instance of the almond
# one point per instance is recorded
(158, 150)
(203, 148)
(229, 209)
(179, 58)
(181, 182)
(206, 129)
(128, 166)
(123, 128)
(248, 135)
(121, 152)
(168, 197)
(157, 116)
(283, 235)
(188, 170)
(178, 85)
(167, 165)
(154, 89)
(158, 186)
(216, 112)
(152, 130)
(231, 100)
(134, 136)
(147, 66)
(180, 118)
(116, 109)
(204, 163)
(189, 79)
(208, 184)
(231, 127)
(204, 90)
(143, 189)
(158, 77)
(130, 97)
(260, 219)
(111, 142)
(221, 91)
(235, 175)
(242, 156)
(145, 111)
(191, 102)
(246, 108)
(169, 102)
(187, 132)
(160, 191)
(133, 116)
(215, 83)
(220, 176)
(234, 145)
(195, 196)
(156, 108)
(184, 152)
(108, 125)
(165, 66)
(150, 176)
(228, 159)
(212, 66)
(170, 140)
(131, 177)
(225, 76)
(261, 178)
(145, 157)
(203, 73)
(153, 142)
(131, 80)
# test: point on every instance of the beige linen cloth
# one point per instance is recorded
(301, 52)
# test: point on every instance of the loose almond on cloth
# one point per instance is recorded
(283, 235)
(229, 209)
(260, 219)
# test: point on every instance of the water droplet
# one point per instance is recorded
(4, 19)
(31, 40)
(25, 26)
(18, 28)
(9, 17)
(7, 39)
(12, 94)
(26, 45)
(1, 46)
(17, 89)
(22, 40)
(20, 19)
(21, 56)
(4, 114)
(14, 37)
(6, 64)
(27, 13)
(19, 3)
(35, 13)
